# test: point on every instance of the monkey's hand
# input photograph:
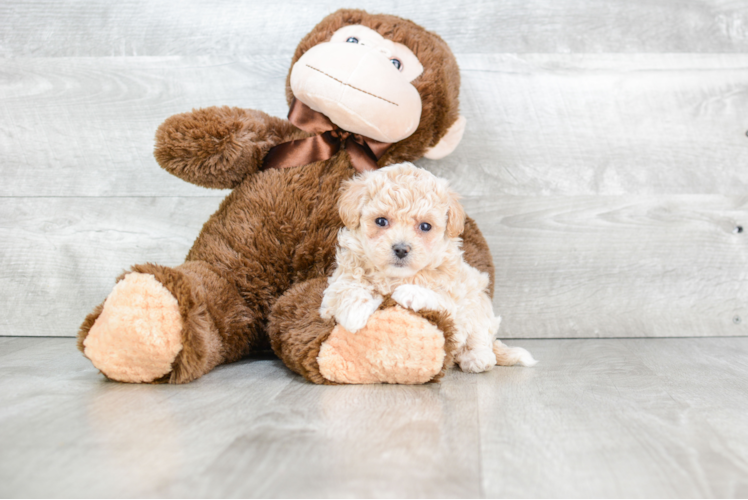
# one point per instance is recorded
(218, 147)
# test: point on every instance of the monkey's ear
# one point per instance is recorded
(455, 216)
(449, 142)
(353, 197)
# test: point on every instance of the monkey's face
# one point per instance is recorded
(362, 82)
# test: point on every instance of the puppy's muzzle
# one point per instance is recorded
(401, 250)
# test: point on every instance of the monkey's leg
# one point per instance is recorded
(397, 346)
(162, 324)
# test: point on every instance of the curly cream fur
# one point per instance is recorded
(387, 209)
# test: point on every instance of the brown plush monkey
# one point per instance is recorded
(365, 91)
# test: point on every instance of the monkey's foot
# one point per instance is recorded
(138, 333)
(396, 346)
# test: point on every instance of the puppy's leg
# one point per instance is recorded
(478, 355)
(356, 310)
(416, 297)
(476, 324)
(476, 360)
(350, 305)
(475, 314)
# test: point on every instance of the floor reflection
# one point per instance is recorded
(137, 433)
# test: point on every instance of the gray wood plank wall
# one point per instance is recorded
(605, 159)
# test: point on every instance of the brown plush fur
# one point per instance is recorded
(297, 331)
(218, 147)
(256, 272)
(477, 253)
(87, 324)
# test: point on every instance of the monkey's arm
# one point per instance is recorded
(218, 147)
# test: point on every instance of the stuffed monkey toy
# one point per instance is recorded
(365, 91)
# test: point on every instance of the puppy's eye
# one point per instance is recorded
(352, 39)
(425, 226)
(381, 222)
(397, 64)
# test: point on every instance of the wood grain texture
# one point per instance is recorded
(615, 419)
(602, 124)
(537, 124)
(604, 155)
(565, 266)
(271, 458)
(86, 126)
(595, 266)
(60, 256)
(610, 418)
(238, 28)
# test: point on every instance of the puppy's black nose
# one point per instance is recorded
(401, 250)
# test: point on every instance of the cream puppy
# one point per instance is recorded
(401, 238)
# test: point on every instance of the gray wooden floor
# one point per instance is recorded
(596, 418)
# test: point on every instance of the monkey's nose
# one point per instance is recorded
(401, 250)
(384, 51)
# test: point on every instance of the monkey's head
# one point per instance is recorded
(382, 77)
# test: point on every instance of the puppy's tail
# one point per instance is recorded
(509, 356)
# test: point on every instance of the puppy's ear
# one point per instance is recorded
(353, 197)
(455, 216)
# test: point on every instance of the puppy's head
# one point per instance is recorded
(404, 218)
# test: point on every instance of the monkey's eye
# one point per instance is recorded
(425, 226)
(352, 39)
(381, 222)
(397, 64)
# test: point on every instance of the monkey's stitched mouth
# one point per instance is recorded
(351, 86)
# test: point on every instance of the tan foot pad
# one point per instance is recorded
(139, 332)
(395, 347)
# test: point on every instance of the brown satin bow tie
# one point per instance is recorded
(364, 151)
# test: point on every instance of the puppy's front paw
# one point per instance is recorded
(416, 297)
(476, 361)
(355, 317)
